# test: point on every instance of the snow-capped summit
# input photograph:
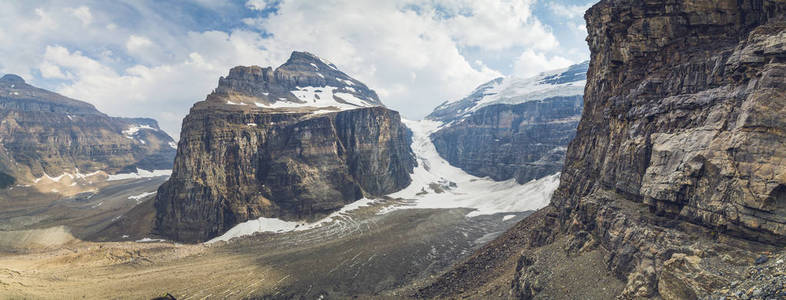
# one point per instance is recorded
(512, 127)
(515, 90)
(304, 81)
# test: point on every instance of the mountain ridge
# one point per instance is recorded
(44, 133)
(303, 81)
(516, 90)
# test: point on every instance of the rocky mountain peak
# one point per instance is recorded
(304, 82)
(313, 140)
(12, 79)
(298, 58)
(515, 90)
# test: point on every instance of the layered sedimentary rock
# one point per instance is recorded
(45, 134)
(512, 127)
(684, 113)
(294, 143)
(677, 170)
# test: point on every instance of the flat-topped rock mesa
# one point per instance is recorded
(513, 127)
(44, 134)
(294, 143)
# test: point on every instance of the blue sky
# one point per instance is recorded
(156, 58)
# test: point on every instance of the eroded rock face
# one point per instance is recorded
(512, 127)
(677, 166)
(44, 133)
(241, 162)
(525, 141)
(683, 114)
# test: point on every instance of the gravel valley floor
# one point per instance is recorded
(362, 253)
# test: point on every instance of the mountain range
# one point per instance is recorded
(653, 171)
(47, 136)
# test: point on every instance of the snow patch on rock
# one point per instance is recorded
(141, 196)
(319, 97)
(75, 175)
(134, 129)
(139, 174)
(280, 226)
(437, 184)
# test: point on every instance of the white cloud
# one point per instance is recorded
(531, 63)
(83, 14)
(79, 64)
(580, 27)
(136, 43)
(258, 4)
(409, 51)
(145, 51)
(164, 91)
(487, 24)
(51, 71)
(569, 11)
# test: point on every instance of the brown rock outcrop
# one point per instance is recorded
(238, 162)
(42, 132)
(677, 169)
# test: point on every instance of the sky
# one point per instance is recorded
(157, 58)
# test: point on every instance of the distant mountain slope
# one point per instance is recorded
(294, 143)
(44, 134)
(568, 82)
(513, 127)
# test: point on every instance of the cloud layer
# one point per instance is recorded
(156, 59)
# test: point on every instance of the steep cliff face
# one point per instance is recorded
(676, 173)
(684, 113)
(297, 157)
(512, 127)
(46, 134)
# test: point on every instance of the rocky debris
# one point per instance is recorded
(683, 114)
(45, 134)
(517, 129)
(676, 166)
(765, 280)
(291, 163)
